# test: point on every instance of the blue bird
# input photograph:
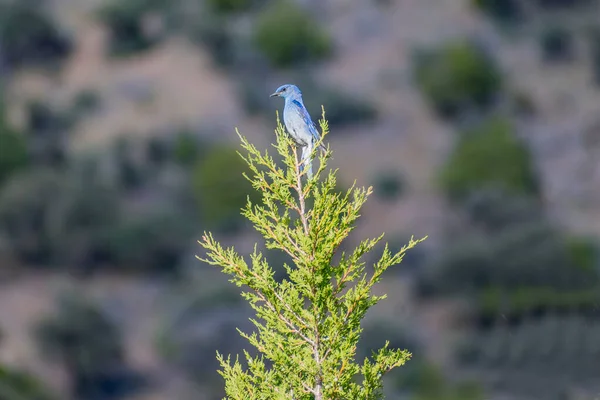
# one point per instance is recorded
(298, 123)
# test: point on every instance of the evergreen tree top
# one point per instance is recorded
(307, 325)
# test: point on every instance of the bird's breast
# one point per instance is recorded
(296, 127)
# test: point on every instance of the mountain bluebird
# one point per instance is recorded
(298, 123)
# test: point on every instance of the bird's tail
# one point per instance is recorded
(307, 160)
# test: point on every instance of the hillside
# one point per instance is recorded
(388, 130)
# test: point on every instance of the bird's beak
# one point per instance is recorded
(275, 94)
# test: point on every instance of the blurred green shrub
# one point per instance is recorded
(80, 335)
(468, 390)
(84, 103)
(220, 188)
(157, 152)
(75, 217)
(389, 185)
(21, 385)
(491, 155)
(48, 130)
(13, 150)
(557, 44)
(524, 301)
(429, 381)
(126, 23)
(287, 35)
(552, 346)
(26, 212)
(496, 346)
(495, 209)
(28, 36)
(89, 208)
(188, 148)
(468, 349)
(215, 34)
(432, 385)
(154, 243)
(131, 172)
(131, 175)
(77, 322)
(500, 10)
(42, 118)
(584, 253)
(48, 217)
(229, 6)
(463, 267)
(532, 255)
(539, 257)
(88, 344)
(456, 77)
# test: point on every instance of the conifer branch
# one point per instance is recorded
(308, 325)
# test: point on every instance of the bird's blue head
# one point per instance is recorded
(288, 92)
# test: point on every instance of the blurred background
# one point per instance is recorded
(476, 121)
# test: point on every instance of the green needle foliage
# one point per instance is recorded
(308, 324)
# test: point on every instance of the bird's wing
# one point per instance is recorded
(301, 110)
(306, 118)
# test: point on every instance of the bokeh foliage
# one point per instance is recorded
(229, 6)
(13, 148)
(29, 36)
(126, 22)
(456, 77)
(87, 343)
(286, 34)
(22, 385)
(220, 188)
(489, 155)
